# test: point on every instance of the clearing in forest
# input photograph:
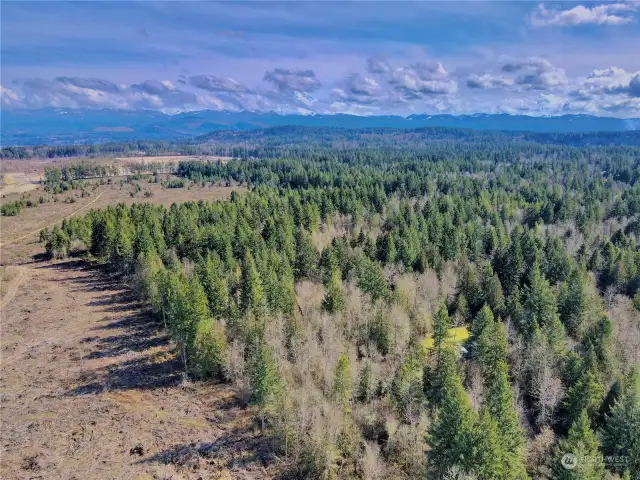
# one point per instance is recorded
(91, 388)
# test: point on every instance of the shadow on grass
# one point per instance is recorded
(137, 338)
(237, 449)
(141, 374)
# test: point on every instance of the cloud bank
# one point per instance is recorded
(607, 14)
(524, 85)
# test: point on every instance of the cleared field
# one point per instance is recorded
(18, 182)
(169, 159)
(91, 389)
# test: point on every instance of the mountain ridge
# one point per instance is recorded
(52, 126)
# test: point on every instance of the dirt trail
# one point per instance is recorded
(91, 389)
(75, 212)
(13, 286)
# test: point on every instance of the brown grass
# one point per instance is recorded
(92, 389)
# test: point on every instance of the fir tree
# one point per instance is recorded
(252, 298)
(580, 450)
(452, 434)
(264, 380)
(540, 306)
(334, 301)
(586, 395)
(210, 345)
(342, 382)
(215, 286)
(441, 327)
(621, 432)
(366, 384)
(499, 400)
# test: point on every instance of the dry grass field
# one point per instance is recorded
(91, 389)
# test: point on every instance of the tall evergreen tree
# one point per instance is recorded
(334, 300)
(215, 286)
(621, 432)
(252, 298)
(366, 384)
(451, 435)
(578, 457)
(264, 380)
(342, 382)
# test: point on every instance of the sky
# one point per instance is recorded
(366, 58)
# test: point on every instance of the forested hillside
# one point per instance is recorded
(289, 140)
(86, 126)
(328, 293)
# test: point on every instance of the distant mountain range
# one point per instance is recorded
(67, 126)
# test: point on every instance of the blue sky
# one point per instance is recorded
(361, 57)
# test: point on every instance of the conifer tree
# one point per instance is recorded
(334, 301)
(57, 245)
(441, 327)
(371, 279)
(342, 382)
(586, 395)
(102, 235)
(469, 287)
(499, 400)
(264, 380)
(252, 298)
(540, 306)
(483, 318)
(489, 459)
(462, 310)
(406, 388)
(492, 290)
(215, 286)
(580, 450)
(210, 345)
(434, 378)
(306, 258)
(452, 434)
(366, 384)
(621, 432)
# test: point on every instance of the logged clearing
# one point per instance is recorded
(18, 182)
(170, 159)
(91, 389)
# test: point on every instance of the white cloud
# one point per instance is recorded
(634, 86)
(610, 81)
(8, 97)
(359, 89)
(80, 92)
(530, 85)
(411, 82)
(607, 14)
(423, 78)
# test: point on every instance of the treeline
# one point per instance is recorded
(537, 255)
(304, 141)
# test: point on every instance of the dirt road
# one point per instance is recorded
(91, 389)
(50, 225)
